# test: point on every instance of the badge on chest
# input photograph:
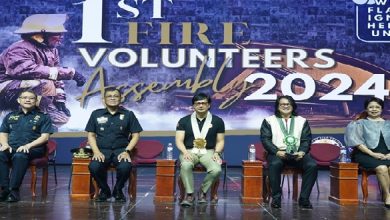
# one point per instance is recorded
(102, 120)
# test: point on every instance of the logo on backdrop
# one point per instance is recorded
(373, 20)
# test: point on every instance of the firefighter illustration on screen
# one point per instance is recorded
(34, 63)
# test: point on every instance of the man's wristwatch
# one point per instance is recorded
(219, 154)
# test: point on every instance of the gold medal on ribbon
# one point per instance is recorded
(200, 143)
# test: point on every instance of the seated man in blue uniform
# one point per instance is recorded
(23, 137)
(200, 137)
(109, 130)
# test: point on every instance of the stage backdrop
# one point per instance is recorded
(328, 55)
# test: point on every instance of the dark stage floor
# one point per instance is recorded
(58, 206)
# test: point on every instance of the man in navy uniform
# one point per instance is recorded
(109, 130)
(23, 137)
(200, 137)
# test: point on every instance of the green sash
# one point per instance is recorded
(289, 138)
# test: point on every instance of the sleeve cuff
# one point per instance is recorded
(60, 91)
(73, 71)
(53, 73)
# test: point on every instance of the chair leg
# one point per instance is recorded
(132, 190)
(55, 172)
(96, 188)
(318, 187)
(224, 176)
(288, 184)
(364, 186)
(112, 178)
(45, 179)
(214, 191)
(33, 180)
(295, 186)
(70, 178)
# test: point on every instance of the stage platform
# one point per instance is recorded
(58, 204)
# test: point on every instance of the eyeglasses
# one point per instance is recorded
(200, 103)
(112, 96)
(27, 98)
(284, 104)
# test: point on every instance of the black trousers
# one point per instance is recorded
(19, 162)
(99, 171)
(309, 176)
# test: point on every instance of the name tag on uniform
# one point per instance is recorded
(121, 117)
(102, 120)
(14, 117)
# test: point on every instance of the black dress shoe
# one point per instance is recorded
(276, 203)
(119, 196)
(4, 195)
(305, 204)
(13, 196)
(103, 196)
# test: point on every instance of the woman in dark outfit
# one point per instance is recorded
(370, 134)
